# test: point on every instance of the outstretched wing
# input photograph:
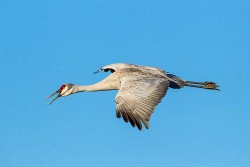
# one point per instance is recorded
(137, 98)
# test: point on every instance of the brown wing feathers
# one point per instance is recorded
(136, 102)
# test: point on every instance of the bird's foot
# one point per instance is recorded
(211, 85)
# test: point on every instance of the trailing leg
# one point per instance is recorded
(204, 85)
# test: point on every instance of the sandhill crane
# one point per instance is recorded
(141, 88)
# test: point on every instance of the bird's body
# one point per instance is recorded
(141, 88)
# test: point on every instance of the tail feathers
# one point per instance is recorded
(175, 82)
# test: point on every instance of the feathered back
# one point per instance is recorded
(123, 66)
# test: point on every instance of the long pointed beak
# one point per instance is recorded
(58, 91)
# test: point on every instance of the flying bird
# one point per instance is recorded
(141, 88)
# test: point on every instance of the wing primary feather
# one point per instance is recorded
(125, 116)
(131, 119)
(143, 119)
(137, 121)
(118, 114)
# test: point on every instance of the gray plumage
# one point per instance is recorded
(141, 88)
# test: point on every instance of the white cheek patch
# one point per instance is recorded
(66, 92)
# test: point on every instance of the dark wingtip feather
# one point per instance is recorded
(131, 118)
(125, 116)
(118, 114)
(137, 121)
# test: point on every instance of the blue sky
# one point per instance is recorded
(44, 44)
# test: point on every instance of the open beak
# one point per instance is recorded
(58, 91)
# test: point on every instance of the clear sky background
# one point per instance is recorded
(44, 44)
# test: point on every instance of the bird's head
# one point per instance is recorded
(64, 90)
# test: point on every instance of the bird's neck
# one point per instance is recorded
(100, 86)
